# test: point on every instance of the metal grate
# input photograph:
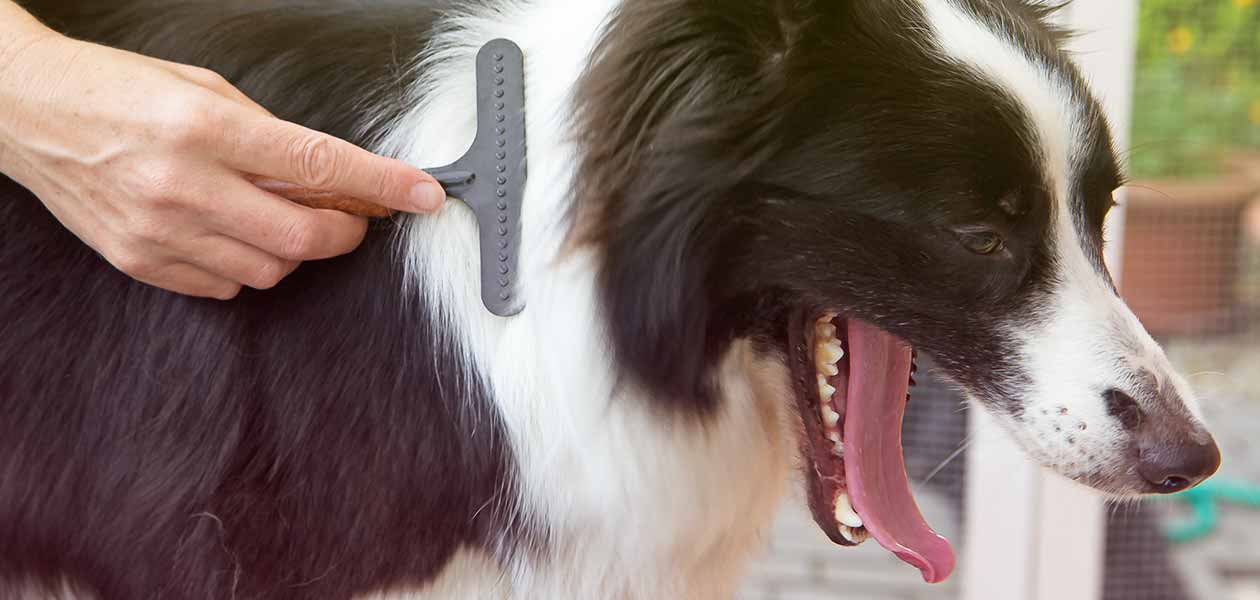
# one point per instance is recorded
(1191, 272)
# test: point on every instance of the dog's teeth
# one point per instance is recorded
(830, 417)
(857, 536)
(834, 436)
(838, 448)
(825, 331)
(824, 368)
(825, 391)
(845, 515)
(828, 353)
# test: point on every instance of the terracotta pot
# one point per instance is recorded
(1183, 250)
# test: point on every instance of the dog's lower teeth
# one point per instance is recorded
(825, 391)
(834, 436)
(856, 536)
(845, 515)
(830, 417)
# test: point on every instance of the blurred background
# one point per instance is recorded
(1185, 76)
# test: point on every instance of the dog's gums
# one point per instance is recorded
(858, 487)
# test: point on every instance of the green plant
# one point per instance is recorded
(1197, 94)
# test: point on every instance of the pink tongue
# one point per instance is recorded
(879, 370)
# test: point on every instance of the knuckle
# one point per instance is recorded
(315, 162)
(162, 184)
(389, 186)
(146, 229)
(131, 262)
(190, 121)
(268, 274)
(207, 77)
(297, 241)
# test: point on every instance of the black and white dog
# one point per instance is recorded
(741, 216)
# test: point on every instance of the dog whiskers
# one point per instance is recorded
(953, 455)
(1201, 373)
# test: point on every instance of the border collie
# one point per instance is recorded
(741, 217)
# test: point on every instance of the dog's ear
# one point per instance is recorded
(677, 111)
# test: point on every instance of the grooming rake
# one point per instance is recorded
(489, 178)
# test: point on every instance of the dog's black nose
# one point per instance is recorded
(1174, 464)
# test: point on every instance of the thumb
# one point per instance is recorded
(288, 152)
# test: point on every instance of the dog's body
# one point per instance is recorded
(368, 428)
(339, 435)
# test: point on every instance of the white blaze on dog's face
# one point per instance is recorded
(1103, 405)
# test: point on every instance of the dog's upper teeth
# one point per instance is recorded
(827, 349)
(827, 354)
(834, 436)
(825, 331)
(845, 515)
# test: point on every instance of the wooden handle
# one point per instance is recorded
(323, 200)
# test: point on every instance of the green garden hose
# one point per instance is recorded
(1204, 502)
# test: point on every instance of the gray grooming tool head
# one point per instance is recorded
(490, 177)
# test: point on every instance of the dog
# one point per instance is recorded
(741, 217)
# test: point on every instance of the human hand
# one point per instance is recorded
(151, 164)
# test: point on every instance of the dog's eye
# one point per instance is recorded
(984, 243)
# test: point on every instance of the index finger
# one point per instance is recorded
(292, 153)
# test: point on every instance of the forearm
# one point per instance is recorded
(19, 34)
(17, 28)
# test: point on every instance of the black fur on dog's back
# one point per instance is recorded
(313, 441)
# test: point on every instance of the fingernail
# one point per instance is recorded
(427, 197)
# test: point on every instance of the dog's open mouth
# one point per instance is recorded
(852, 381)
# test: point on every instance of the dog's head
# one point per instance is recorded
(841, 181)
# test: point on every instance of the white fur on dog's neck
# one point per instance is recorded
(633, 507)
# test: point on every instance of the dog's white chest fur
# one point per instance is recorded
(636, 509)
(633, 504)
